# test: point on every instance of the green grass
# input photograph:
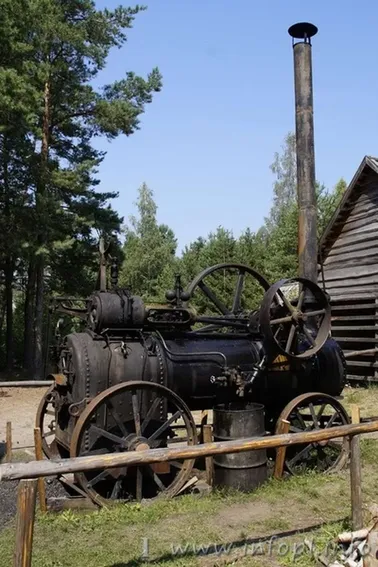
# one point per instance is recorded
(113, 537)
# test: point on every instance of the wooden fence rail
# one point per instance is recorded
(36, 469)
(27, 384)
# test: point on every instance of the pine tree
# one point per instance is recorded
(55, 49)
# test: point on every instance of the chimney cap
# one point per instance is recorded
(303, 30)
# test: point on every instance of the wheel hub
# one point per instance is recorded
(136, 443)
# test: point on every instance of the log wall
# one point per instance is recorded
(351, 276)
(351, 263)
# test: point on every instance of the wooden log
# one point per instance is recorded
(355, 474)
(363, 364)
(362, 378)
(355, 340)
(365, 352)
(35, 469)
(41, 480)
(352, 307)
(8, 441)
(353, 318)
(26, 384)
(283, 427)
(371, 328)
(209, 462)
(25, 523)
(58, 504)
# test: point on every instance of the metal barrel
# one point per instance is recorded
(244, 471)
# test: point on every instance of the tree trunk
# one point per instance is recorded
(9, 270)
(38, 321)
(40, 206)
(28, 360)
(3, 310)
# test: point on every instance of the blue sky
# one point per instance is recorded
(207, 140)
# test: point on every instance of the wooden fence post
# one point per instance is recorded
(355, 474)
(8, 441)
(284, 427)
(41, 480)
(25, 523)
(209, 462)
(204, 420)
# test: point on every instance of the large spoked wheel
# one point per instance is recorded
(295, 318)
(223, 295)
(306, 413)
(45, 420)
(134, 416)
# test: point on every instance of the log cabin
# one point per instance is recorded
(349, 258)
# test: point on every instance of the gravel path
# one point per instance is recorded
(8, 498)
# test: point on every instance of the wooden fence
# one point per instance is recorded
(26, 472)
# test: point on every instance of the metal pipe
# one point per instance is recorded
(304, 127)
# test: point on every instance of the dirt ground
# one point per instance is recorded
(19, 405)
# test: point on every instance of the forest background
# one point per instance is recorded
(53, 211)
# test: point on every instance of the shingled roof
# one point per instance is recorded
(342, 212)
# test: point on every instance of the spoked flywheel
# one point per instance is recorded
(134, 416)
(295, 318)
(227, 295)
(45, 420)
(307, 413)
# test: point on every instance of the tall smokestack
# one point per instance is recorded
(304, 125)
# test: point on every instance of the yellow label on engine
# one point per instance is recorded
(280, 363)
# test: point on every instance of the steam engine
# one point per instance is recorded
(269, 355)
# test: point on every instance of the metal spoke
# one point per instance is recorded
(116, 489)
(294, 429)
(315, 313)
(238, 292)
(157, 480)
(134, 397)
(281, 320)
(48, 434)
(313, 415)
(286, 302)
(320, 412)
(165, 425)
(213, 298)
(139, 484)
(150, 413)
(116, 418)
(277, 332)
(332, 419)
(299, 455)
(301, 297)
(98, 478)
(106, 434)
(290, 338)
(308, 335)
(301, 420)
